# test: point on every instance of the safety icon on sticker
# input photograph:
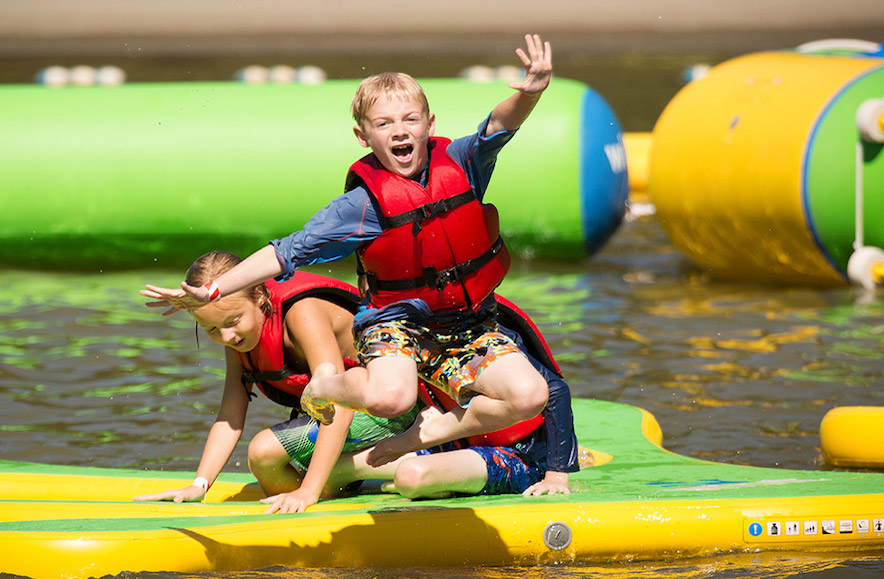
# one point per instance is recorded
(828, 527)
(773, 529)
(862, 525)
(810, 528)
(878, 525)
(755, 529)
(845, 526)
(793, 528)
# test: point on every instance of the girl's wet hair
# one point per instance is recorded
(386, 84)
(211, 265)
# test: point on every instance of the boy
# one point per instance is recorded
(430, 257)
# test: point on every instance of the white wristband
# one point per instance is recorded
(202, 483)
(214, 291)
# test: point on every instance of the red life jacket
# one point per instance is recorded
(265, 365)
(439, 243)
(512, 317)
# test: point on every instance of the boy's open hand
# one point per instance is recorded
(185, 298)
(538, 65)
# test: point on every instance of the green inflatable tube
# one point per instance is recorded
(156, 174)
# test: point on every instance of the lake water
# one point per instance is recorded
(733, 372)
(736, 373)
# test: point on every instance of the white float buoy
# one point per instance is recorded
(82, 75)
(509, 73)
(865, 267)
(309, 74)
(281, 74)
(870, 120)
(110, 76)
(252, 74)
(695, 72)
(478, 73)
(54, 76)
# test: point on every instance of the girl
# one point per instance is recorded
(275, 334)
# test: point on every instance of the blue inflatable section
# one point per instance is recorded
(604, 182)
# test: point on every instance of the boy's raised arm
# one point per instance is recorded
(511, 113)
(257, 268)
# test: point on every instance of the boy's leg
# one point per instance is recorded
(386, 387)
(440, 474)
(511, 390)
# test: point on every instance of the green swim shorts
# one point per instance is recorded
(298, 435)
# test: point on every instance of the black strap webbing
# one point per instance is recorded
(255, 377)
(429, 210)
(433, 278)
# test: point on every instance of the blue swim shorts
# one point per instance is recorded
(508, 473)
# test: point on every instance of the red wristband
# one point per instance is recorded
(202, 483)
(214, 291)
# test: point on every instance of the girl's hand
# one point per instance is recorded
(189, 494)
(296, 501)
(185, 298)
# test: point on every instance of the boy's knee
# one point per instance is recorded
(390, 400)
(530, 397)
(410, 478)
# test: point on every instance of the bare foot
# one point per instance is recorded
(311, 402)
(409, 441)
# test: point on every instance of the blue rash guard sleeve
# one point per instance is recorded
(561, 440)
(332, 234)
(351, 219)
(477, 155)
(554, 445)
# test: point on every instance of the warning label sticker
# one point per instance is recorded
(816, 529)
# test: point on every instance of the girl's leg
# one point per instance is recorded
(353, 466)
(271, 464)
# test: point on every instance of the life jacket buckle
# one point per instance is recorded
(445, 277)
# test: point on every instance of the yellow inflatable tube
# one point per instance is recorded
(751, 168)
(853, 436)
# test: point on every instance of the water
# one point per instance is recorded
(734, 373)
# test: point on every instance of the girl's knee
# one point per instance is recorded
(264, 451)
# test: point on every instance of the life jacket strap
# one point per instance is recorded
(276, 375)
(247, 378)
(433, 278)
(428, 210)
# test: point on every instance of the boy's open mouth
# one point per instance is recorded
(402, 151)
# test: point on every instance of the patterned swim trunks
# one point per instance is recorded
(449, 361)
(298, 435)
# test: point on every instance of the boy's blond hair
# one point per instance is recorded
(386, 84)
